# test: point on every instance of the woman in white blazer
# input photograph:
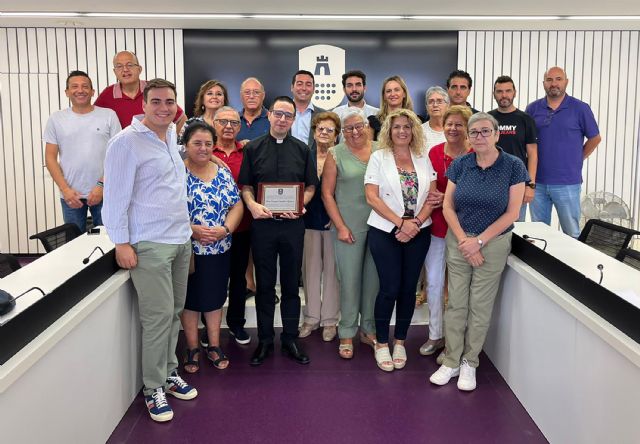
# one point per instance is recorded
(398, 180)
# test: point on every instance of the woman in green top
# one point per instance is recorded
(344, 200)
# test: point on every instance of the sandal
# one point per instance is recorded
(345, 350)
(222, 361)
(399, 356)
(190, 364)
(383, 359)
(364, 339)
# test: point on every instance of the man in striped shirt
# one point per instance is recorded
(145, 214)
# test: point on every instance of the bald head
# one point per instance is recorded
(555, 83)
(252, 95)
(127, 68)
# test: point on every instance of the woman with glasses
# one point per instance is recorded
(483, 199)
(318, 263)
(346, 205)
(215, 211)
(398, 179)
(211, 96)
(441, 156)
(394, 96)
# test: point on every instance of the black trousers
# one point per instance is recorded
(272, 239)
(240, 247)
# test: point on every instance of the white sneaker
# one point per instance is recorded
(444, 374)
(467, 380)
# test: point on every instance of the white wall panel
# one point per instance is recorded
(34, 63)
(603, 71)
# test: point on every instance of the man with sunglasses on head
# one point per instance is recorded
(125, 96)
(277, 157)
(563, 123)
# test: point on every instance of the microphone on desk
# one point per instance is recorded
(86, 259)
(601, 267)
(8, 302)
(527, 237)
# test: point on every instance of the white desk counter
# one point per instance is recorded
(577, 375)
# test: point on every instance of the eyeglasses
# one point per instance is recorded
(324, 129)
(432, 102)
(350, 129)
(129, 66)
(225, 122)
(280, 114)
(199, 144)
(486, 132)
(252, 92)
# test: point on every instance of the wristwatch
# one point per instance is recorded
(227, 230)
(480, 242)
(531, 185)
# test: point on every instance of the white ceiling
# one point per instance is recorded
(400, 7)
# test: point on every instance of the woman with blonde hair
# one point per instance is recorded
(394, 95)
(398, 180)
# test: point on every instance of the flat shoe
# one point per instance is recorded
(399, 356)
(430, 347)
(305, 330)
(329, 333)
(345, 350)
(384, 360)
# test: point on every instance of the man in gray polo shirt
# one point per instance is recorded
(76, 141)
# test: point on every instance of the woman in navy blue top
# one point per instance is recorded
(482, 200)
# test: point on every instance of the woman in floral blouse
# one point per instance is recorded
(398, 180)
(215, 210)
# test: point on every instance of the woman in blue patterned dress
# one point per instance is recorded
(215, 210)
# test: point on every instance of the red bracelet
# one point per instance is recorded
(401, 224)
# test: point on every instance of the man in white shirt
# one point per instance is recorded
(354, 84)
(76, 141)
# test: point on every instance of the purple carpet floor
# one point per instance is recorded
(333, 401)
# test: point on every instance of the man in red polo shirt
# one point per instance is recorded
(125, 97)
(227, 126)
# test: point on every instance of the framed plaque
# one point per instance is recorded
(282, 197)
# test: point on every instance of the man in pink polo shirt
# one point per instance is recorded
(125, 97)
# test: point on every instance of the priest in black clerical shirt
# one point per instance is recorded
(277, 157)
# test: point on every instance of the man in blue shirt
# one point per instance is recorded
(563, 123)
(253, 118)
(302, 88)
(145, 214)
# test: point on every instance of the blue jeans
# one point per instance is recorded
(523, 213)
(566, 199)
(78, 216)
(398, 266)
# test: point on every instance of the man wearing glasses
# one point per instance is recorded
(227, 124)
(277, 157)
(563, 123)
(125, 96)
(517, 134)
(253, 118)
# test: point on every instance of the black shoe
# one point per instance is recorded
(249, 294)
(204, 338)
(240, 335)
(261, 353)
(295, 352)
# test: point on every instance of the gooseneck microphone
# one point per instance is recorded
(8, 302)
(86, 259)
(527, 237)
(601, 268)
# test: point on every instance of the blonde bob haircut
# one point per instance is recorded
(417, 145)
(384, 106)
(458, 110)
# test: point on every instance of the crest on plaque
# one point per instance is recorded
(327, 63)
